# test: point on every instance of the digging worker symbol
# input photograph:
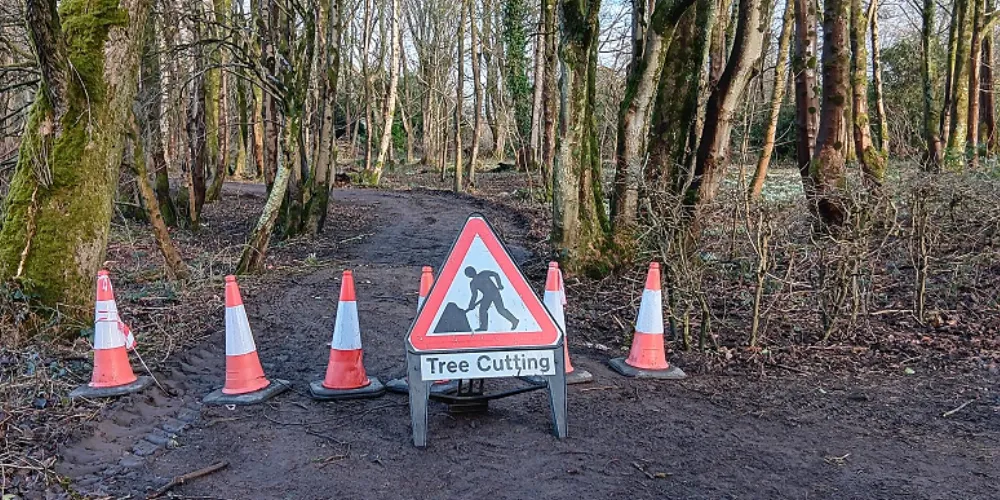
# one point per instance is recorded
(488, 285)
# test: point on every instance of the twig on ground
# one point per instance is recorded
(956, 410)
(601, 388)
(355, 238)
(179, 480)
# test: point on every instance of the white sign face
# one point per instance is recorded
(480, 300)
(470, 365)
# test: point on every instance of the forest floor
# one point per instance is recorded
(778, 432)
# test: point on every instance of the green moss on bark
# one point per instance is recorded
(58, 210)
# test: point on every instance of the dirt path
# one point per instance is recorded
(708, 437)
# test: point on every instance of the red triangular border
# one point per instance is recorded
(477, 226)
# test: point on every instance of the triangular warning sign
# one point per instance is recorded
(481, 300)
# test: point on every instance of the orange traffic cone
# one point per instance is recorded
(345, 373)
(112, 374)
(426, 282)
(245, 380)
(554, 300)
(402, 385)
(647, 358)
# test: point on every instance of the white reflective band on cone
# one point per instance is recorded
(650, 313)
(420, 302)
(239, 340)
(553, 301)
(107, 335)
(347, 325)
(105, 310)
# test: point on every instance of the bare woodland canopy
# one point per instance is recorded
(638, 121)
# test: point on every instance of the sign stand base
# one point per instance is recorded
(470, 401)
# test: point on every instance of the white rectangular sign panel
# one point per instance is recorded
(493, 364)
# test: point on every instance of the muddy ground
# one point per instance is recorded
(781, 435)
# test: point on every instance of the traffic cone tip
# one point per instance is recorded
(233, 296)
(347, 292)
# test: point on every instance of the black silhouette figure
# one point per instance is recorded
(487, 284)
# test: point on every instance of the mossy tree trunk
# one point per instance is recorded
(828, 167)
(882, 131)
(550, 91)
(175, 266)
(959, 102)
(869, 157)
(297, 48)
(215, 111)
(713, 149)
(975, 66)
(515, 74)
(928, 73)
(578, 216)
(284, 205)
(58, 211)
(777, 97)
(675, 112)
(197, 152)
(635, 109)
(149, 114)
(329, 29)
(948, 94)
(987, 86)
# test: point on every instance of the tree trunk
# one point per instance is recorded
(404, 116)
(777, 97)
(459, 101)
(880, 116)
(713, 150)
(57, 213)
(174, 264)
(213, 91)
(975, 53)
(389, 113)
(515, 75)
(928, 73)
(719, 48)
(197, 151)
(806, 102)
(477, 127)
(150, 116)
(987, 86)
(674, 113)
(255, 252)
(298, 36)
(957, 127)
(330, 29)
(367, 35)
(538, 79)
(550, 91)
(871, 160)
(579, 221)
(949, 80)
(635, 108)
(828, 166)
